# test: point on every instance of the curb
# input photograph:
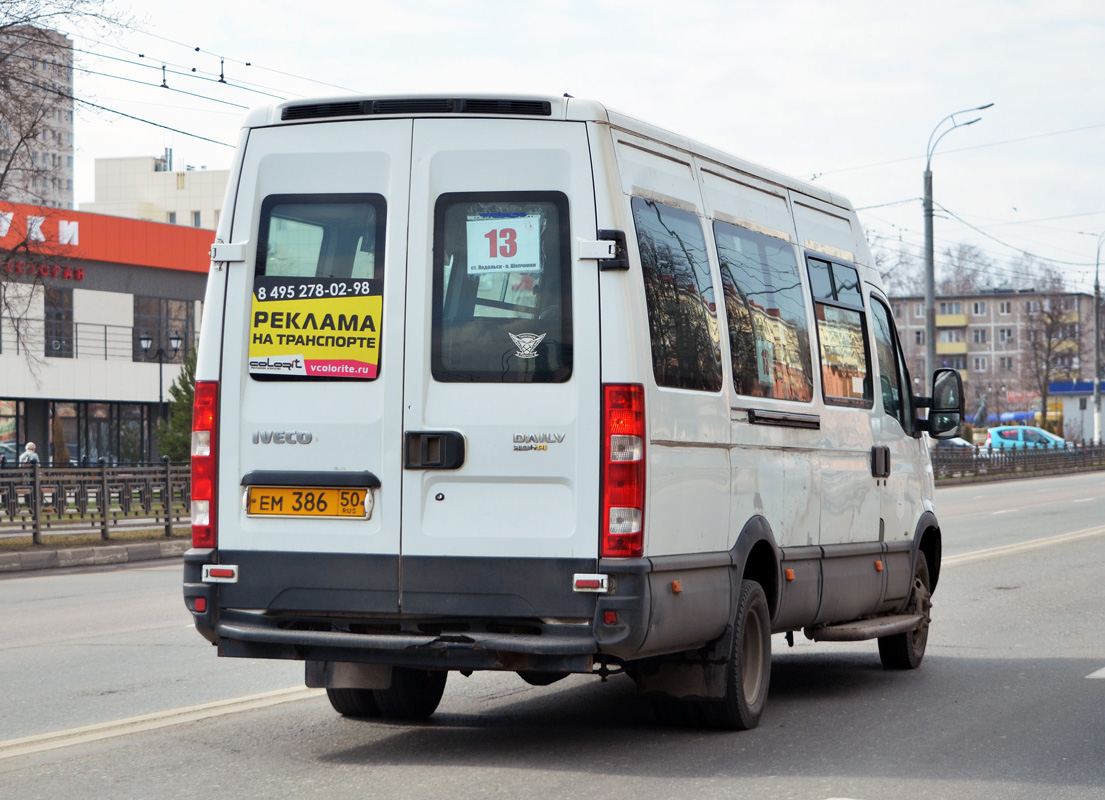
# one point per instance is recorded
(91, 556)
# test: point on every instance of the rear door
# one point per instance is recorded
(501, 389)
(312, 368)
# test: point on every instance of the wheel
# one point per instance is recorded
(748, 672)
(354, 702)
(414, 693)
(905, 650)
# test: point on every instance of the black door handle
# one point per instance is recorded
(434, 450)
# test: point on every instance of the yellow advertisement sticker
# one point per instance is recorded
(315, 327)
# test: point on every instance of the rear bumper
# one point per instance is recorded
(454, 613)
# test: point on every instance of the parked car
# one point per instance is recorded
(952, 443)
(957, 456)
(1023, 436)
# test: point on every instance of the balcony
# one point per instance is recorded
(951, 321)
(951, 348)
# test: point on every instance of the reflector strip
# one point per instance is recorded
(590, 583)
(220, 573)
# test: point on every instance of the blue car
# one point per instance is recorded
(1023, 437)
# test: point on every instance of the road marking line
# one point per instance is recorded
(148, 722)
(1099, 674)
(1034, 544)
(1005, 511)
(1085, 500)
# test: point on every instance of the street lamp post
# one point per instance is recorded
(1097, 343)
(930, 263)
(145, 341)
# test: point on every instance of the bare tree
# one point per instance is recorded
(965, 270)
(1054, 337)
(36, 112)
(901, 272)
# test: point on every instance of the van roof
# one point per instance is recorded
(565, 107)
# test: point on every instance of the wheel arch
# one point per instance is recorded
(756, 556)
(928, 541)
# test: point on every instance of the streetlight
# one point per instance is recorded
(145, 341)
(930, 265)
(1097, 344)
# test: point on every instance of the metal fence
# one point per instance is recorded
(951, 462)
(78, 499)
(77, 340)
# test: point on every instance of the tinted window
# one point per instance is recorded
(768, 330)
(502, 288)
(893, 380)
(325, 236)
(318, 288)
(841, 333)
(682, 318)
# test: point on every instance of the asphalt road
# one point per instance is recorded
(1006, 704)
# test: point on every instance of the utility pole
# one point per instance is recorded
(930, 261)
(1097, 344)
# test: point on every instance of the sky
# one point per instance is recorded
(846, 93)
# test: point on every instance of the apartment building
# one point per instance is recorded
(99, 313)
(995, 337)
(145, 187)
(36, 117)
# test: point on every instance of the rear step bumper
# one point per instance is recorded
(552, 650)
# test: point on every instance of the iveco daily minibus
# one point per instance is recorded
(524, 384)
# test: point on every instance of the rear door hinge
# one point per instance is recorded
(609, 250)
(223, 252)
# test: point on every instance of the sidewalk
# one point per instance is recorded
(92, 556)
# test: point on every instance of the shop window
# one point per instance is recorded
(161, 318)
(59, 322)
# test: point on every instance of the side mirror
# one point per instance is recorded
(946, 411)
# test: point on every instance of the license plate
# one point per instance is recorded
(308, 501)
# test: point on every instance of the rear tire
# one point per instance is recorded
(748, 672)
(354, 702)
(905, 650)
(414, 693)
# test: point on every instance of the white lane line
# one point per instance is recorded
(148, 722)
(1099, 674)
(1084, 500)
(1033, 544)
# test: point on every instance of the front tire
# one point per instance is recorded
(748, 671)
(905, 650)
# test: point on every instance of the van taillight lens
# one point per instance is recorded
(623, 478)
(204, 464)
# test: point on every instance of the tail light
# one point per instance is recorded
(623, 471)
(204, 463)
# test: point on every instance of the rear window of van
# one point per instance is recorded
(318, 288)
(502, 289)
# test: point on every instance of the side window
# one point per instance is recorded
(769, 333)
(682, 316)
(318, 288)
(893, 378)
(502, 288)
(841, 333)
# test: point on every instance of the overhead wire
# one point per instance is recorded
(238, 61)
(75, 99)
